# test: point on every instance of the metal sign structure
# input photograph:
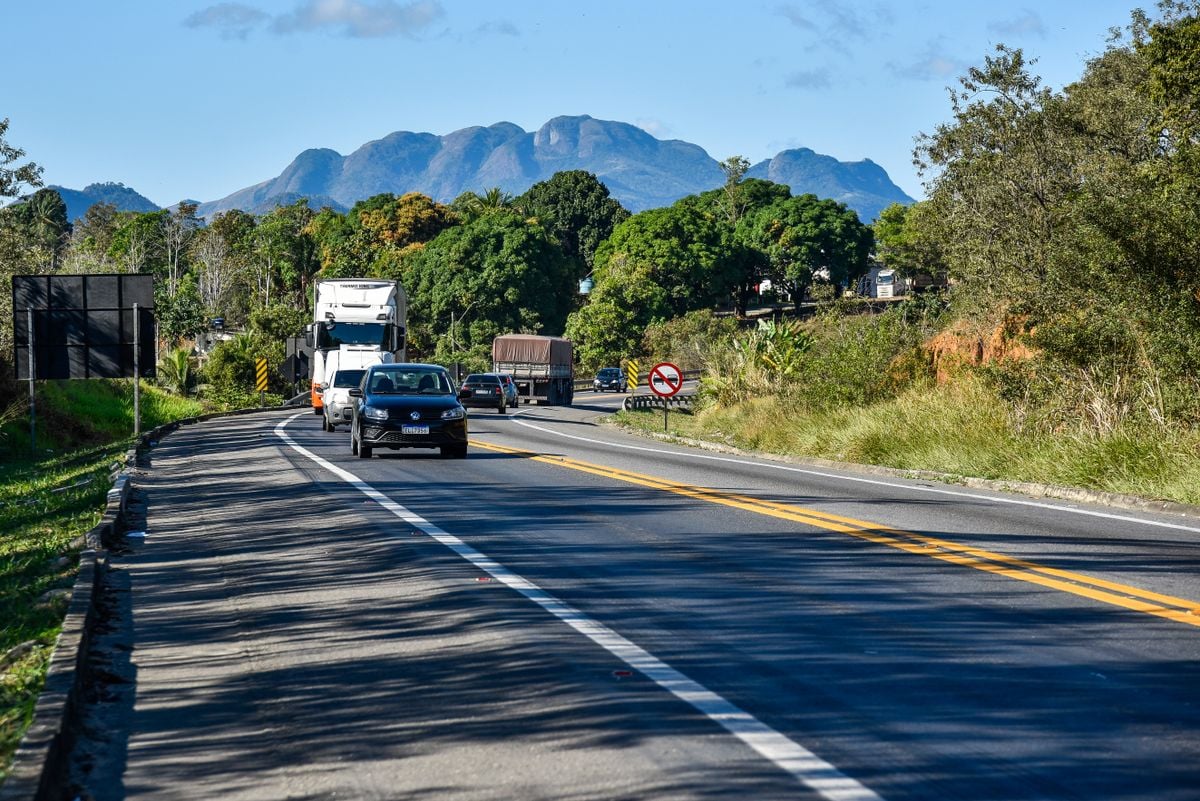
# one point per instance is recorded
(83, 326)
(631, 374)
(665, 379)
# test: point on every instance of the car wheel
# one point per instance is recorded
(502, 408)
(353, 443)
(454, 451)
(364, 451)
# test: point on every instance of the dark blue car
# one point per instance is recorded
(407, 406)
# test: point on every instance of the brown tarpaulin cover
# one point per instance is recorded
(531, 349)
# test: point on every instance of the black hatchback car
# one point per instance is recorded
(490, 391)
(609, 378)
(407, 406)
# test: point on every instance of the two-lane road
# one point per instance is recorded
(575, 613)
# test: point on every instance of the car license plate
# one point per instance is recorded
(414, 429)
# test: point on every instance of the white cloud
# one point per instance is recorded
(656, 128)
(809, 79)
(231, 20)
(934, 64)
(360, 19)
(501, 27)
(1028, 24)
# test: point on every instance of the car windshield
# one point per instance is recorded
(347, 378)
(610, 372)
(411, 381)
(334, 334)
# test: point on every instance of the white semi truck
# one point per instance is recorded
(357, 322)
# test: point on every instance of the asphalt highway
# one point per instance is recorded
(577, 613)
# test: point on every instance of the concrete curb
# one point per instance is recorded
(1030, 489)
(38, 771)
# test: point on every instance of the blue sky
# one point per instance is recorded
(199, 99)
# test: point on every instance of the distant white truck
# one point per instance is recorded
(356, 322)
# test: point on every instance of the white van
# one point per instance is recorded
(344, 369)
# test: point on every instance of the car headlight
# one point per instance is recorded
(457, 413)
(372, 413)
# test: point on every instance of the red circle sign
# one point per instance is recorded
(665, 379)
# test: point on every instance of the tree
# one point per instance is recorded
(180, 316)
(92, 236)
(804, 237)
(211, 252)
(1070, 217)
(471, 206)
(900, 245)
(497, 274)
(734, 201)
(13, 177)
(395, 231)
(137, 243)
(178, 229)
(657, 265)
(576, 209)
(43, 217)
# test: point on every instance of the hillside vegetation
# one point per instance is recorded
(1067, 350)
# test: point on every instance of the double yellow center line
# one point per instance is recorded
(1179, 610)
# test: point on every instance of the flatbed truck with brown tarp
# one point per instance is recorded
(542, 367)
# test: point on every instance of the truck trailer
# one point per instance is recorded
(542, 367)
(360, 319)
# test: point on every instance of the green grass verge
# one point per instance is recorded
(961, 429)
(43, 507)
(84, 428)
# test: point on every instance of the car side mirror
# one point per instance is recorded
(355, 392)
(324, 387)
(464, 393)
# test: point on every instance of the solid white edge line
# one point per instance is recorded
(875, 481)
(790, 756)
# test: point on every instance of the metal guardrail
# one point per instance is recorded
(638, 402)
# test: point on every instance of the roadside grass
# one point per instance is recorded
(83, 429)
(44, 506)
(961, 429)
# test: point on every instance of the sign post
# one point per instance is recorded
(665, 380)
(32, 394)
(137, 383)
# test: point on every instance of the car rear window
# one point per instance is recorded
(482, 379)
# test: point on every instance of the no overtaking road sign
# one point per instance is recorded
(665, 379)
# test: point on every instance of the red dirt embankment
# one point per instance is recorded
(966, 345)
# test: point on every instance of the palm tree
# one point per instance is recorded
(176, 371)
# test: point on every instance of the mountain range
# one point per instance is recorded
(640, 171)
(78, 201)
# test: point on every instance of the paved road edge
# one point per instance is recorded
(38, 770)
